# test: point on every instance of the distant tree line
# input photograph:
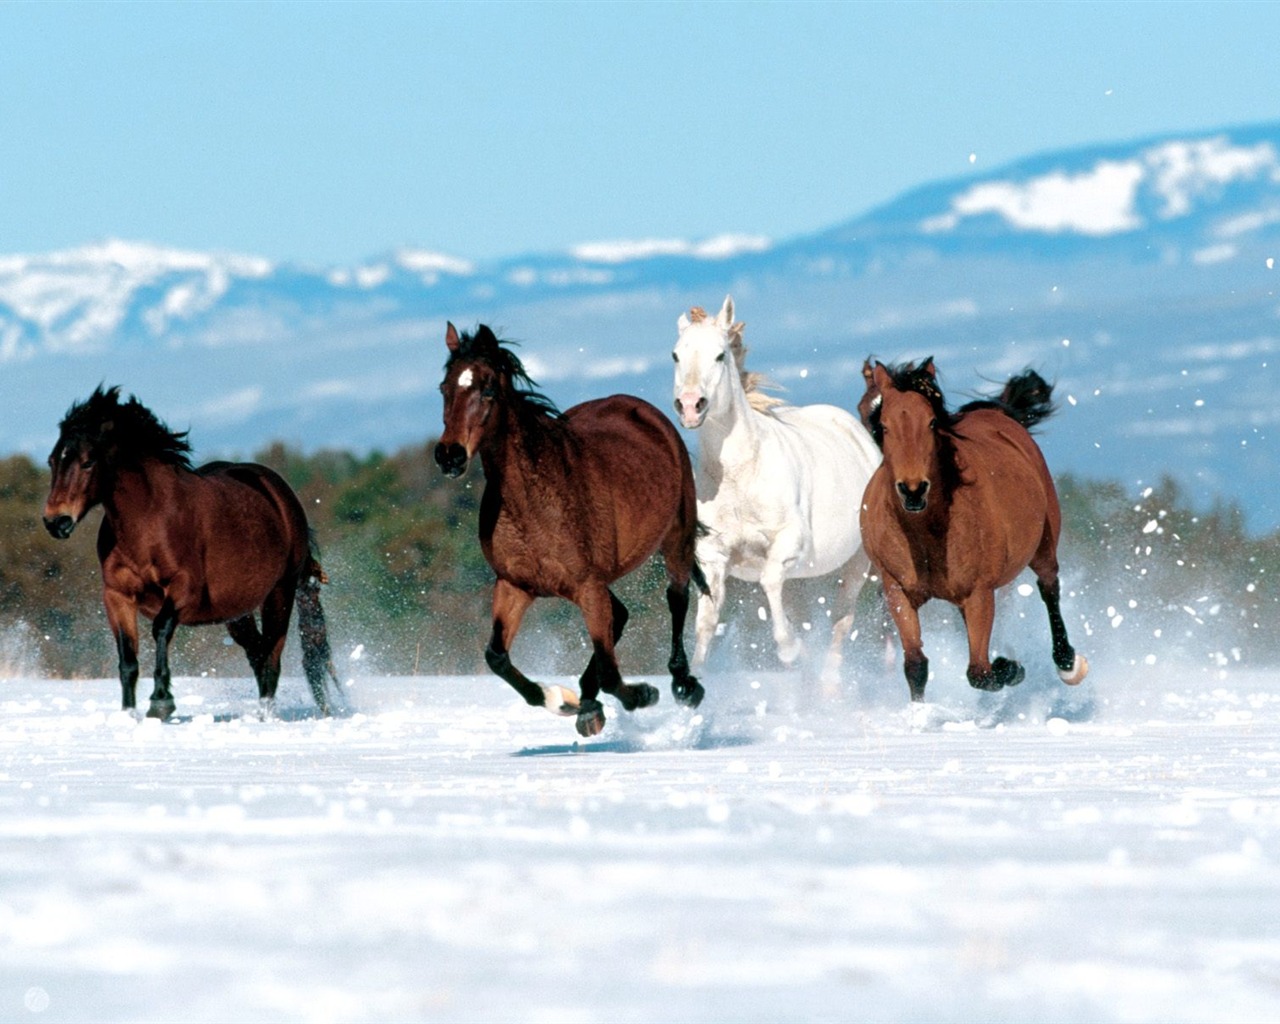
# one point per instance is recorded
(409, 590)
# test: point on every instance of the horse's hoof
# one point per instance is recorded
(1074, 675)
(560, 701)
(688, 691)
(161, 709)
(640, 695)
(1009, 673)
(590, 718)
(788, 652)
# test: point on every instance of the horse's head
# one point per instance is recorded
(470, 390)
(81, 461)
(908, 418)
(706, 362)
(482, 377)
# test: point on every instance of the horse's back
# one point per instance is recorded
(248, 485)
(632, 478)
(824, 458)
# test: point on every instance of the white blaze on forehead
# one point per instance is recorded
(465, 378)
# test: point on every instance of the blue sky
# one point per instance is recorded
(332, 132)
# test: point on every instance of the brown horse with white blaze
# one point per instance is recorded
(185, 546)
(572, 502)
(960, 506)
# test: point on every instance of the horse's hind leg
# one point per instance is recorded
(162, 629)
(1072, 667)
(509, 605)
(852, 577)
(680, 565)
(276, 610)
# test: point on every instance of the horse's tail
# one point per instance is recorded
(317, 658)
(695, 569)
(1028, 398)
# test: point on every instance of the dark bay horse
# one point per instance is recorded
(962, 503)
(187, 546)
(572, 502)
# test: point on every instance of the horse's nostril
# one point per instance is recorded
(451, 458)
(60, 527)
(701, 406)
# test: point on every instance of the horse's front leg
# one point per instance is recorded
(599, 610)
(715, 568)
(122, 617)
(906, 616)
(162, 630)
(852, 577)
(979, 611)
(509, 605)
(778, 564)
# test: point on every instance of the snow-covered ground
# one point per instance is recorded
(445, 853)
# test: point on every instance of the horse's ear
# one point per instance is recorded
(684, 323)
(928, 367)
(725, 317)
(451, 337)
(880, 377)
(867, 371)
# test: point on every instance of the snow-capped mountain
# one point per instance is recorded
(1141, 277)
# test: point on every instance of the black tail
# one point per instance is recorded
(695, 570)
(1027, 397)
(317, 659)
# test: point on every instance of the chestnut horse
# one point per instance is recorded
(960, 506)
(572, 502)
(187, 546)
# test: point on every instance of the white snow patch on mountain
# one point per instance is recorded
(717, 248)
(1102, 201)
(77, 297)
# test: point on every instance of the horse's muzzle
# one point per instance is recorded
(451, 458)
(692, 409)
(59, 527)
(914, 499)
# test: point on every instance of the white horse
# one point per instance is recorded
(779, 486)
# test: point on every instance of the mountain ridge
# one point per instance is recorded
(1141, 275)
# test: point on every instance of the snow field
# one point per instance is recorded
(445, 853)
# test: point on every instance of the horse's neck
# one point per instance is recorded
(732, 440)
(148, 486)
(509, 465)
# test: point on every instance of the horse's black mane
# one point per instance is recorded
(485, 346)
(1026, 397)
(910, 377)
(126, 431)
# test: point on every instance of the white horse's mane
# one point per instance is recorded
(753, 383)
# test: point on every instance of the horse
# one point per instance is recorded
(187, 546)
(774, 481)
(961, 504)
(573, 501)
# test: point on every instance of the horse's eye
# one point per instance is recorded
(675, 357)
(720, 358)
(89, 462)
(933, 424)
(489, 392)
